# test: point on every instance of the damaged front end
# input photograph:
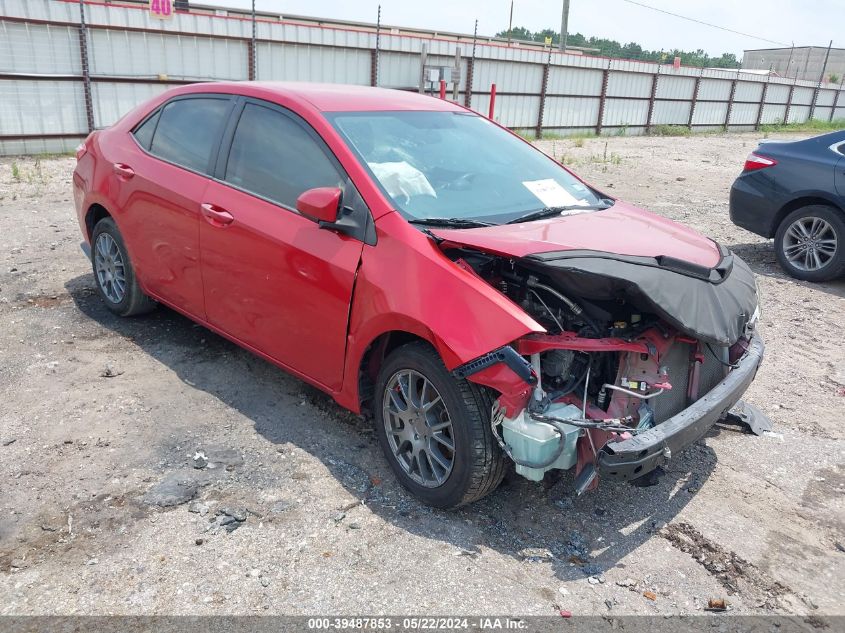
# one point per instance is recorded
(641, 357)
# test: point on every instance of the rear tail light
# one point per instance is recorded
(755, 161)
(81, 149)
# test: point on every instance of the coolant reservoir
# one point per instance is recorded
(531, 441)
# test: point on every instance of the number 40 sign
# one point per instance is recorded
(161, 9)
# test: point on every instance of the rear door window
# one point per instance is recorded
(274, 157)
(188, 131)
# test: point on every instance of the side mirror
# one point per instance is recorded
(321, 204)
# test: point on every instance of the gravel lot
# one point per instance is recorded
(97, 412)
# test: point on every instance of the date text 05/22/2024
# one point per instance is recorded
(416, 623)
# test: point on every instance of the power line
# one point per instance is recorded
(715, 26)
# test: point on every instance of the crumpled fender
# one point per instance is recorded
(407, 284)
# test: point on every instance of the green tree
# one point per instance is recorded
(518, 33)
(611, 48)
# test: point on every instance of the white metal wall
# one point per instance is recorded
(507, 76)
(571, 112)
(710, 113)
(669, 87)
(41, 107)
(113, 100)
(39, 48)
(132, 54)
(302, 62)
(132, 58)
(714, 90)
(671, 112)
(574, 81)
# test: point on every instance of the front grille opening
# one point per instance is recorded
(678, 360)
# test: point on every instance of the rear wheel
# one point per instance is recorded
(434, 429)
(810, 243)
(113, 272)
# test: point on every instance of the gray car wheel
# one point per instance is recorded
(114, 275)
(434, 429)
(810, 243)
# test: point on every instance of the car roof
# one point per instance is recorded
(332, 97)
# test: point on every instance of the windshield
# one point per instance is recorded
(459, 166)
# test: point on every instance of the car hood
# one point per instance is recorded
(622, 229)
(626, 253)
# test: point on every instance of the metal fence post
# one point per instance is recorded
(602, 98)
(730, 105)
(252, 48)
(471, 70)
(543, 89)
(762, 103)
(817, 91)
(468, 92)
(836, 100)
(655, 78)
(694, 98)
(374, 52)
(86, 74)
(789, 101)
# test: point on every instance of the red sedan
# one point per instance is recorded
(421, 263)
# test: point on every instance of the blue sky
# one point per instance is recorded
(805, 22)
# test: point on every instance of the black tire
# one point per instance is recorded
(134, 301)
(835, 266)
(478, 463)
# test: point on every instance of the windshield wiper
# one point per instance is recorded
(458, 223)
(548, 212)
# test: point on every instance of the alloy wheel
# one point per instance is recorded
(809, 243)
(110, 268)
(418, 428)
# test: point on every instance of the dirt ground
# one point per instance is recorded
(97, 412)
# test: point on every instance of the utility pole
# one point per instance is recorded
(510, 24)
(564, 25)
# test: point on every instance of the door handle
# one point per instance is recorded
(215, 215)
(124, 171)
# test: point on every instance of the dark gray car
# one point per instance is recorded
(794, 191)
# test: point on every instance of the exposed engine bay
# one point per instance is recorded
(619, 358)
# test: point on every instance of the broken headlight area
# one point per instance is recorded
(617, 360)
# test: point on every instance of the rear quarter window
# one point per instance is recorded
(188, 130)
(144, 132)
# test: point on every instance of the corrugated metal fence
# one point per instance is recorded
(57, 79)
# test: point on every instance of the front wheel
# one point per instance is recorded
(434, 429)
(810, 243)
